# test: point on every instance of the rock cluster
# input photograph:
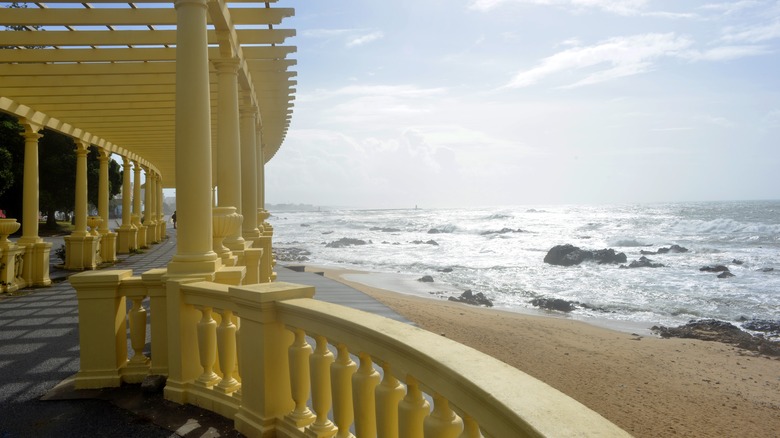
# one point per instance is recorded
(345, 241)
(672, 249)
(291, 254)
(554, 304)
(720, 331)
(569, 255)
(468, 297)
(643, 262)
(502, 231)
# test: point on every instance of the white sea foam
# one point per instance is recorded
(509, 267)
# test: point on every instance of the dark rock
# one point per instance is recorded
(291, 254)
(327, 232)
(502, 231)
(153, 384)
(554, 304)
(385, 229)
(737, 262)
(766, 269)
(725, 274)
(420, 242)
(445, 270)
(434, 231)
(643, 262)
(604, 256)
(305, 225)
(763, 325)
(345, 241)
(468, 297)
(426, 279)
(720, 331)
(716, 268)
(568, 255)
(672, 249)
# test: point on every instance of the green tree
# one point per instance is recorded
(11, 173)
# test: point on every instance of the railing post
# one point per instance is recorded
(263, 346)
(226, 349)
(102, 328)
(470, 428)
(321, 399)
(341, 382)
(412, 411)
(442, 423)
(299, 353)
(137, 369)
(207, 348)
(183, 361)
(388, 395)
(364, 383)
(155, 288)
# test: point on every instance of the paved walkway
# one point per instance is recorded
(39, 348)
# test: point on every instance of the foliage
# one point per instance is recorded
(6, 170)
(12, 142)
(60, 253)
(57, 172)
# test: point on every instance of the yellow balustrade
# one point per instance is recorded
(244, 352)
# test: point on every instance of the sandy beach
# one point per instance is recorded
(649, 386)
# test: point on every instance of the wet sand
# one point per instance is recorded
(650, 387)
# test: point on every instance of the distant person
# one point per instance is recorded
(173, 218)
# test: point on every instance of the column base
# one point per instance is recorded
(142, 232)
(81, 252)
(11, 267)
(127, 239)
(195, 266)
(108, 247)
(36, 261)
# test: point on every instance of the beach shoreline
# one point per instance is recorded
(647, 385)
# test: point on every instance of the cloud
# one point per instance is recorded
(621, 56)
(354, 37)
(730, 8)
(727, 53)
(753, 34)
(360, 40)
(620, 7)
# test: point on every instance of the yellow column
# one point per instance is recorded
(30, 208)
(137, 205)
(266, 266)
(194, 256)
(36, 261)
(80, 246)
(108, 238)
(127, 233)
(148, 207)
(229, 152)
(247, 123)
(161, 223)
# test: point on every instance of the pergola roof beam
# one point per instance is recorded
(127, 17)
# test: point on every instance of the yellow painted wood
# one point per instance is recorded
(364, 383)
(442, 423)
(341, 373)
(321, 399)
(299, 353)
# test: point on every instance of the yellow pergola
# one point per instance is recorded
(196, 93)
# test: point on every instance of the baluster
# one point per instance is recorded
(388, 395)
(320, 390)
(364, 384)
(412, 411)
(237, 322)
(207, 347)
(299, 353)
(470, 428)
(137, 318)
(442, 423)
(341, 382)
(226, 348)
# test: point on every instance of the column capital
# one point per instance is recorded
(178, 3)
(104, 154)
(227, 65)
(30, 127)
(81, 147)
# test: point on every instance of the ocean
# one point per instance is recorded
(500, 252)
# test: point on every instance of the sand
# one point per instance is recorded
(649, 386)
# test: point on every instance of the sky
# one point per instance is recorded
(461, 103)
